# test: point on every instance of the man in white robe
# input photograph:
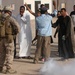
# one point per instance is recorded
(25, 36)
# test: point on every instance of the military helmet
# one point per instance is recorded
(8, 8)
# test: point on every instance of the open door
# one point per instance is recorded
(37, 5)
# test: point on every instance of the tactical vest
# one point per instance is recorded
(8, 26)
(10, 29)
(7, 29)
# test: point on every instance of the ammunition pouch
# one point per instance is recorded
(2, 31)
(9, 38)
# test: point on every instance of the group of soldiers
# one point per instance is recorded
(8, 29)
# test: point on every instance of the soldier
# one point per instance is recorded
(10, 29)
(1, 54)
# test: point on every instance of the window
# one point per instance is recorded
(47, 5)
(29, 5)
(63, 5)
(39, 6)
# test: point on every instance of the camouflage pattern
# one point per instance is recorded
(2, 52)
(6, 53)
(9, 54)
(14, 22)
(7, 48)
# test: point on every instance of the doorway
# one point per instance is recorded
(37, 5)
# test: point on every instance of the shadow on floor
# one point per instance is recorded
(29, 74)
(23, 61)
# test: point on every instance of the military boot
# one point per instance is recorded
(11, 71)
(35, 61)
(4, 71)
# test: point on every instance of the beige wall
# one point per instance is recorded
(32, 2)
(32, 7)
(0, 2)
(69, 5)
(17, 4)
(48, 2)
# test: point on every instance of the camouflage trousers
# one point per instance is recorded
(6, 54)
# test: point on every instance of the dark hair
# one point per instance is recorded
(38, 10)
(22, 7)
(74, 6)
(43, 12)
(0, 10)
(42, 5)
(63, 9)
(59, 11)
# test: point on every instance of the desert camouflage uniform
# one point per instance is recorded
(6, 53)
(7, 48)
(2, 52)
